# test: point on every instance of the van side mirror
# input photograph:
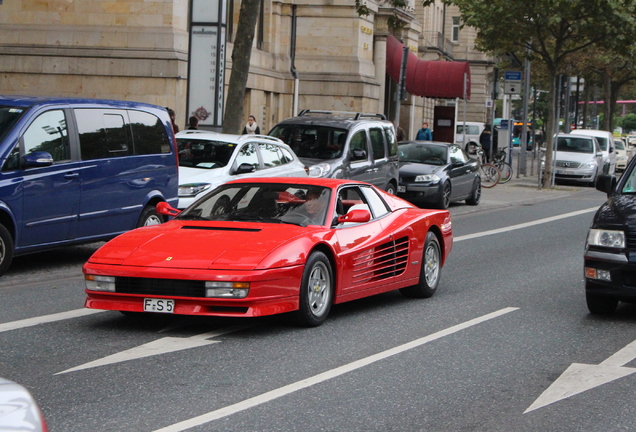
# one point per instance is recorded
(37, 159)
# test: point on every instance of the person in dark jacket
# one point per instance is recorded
(484, 141)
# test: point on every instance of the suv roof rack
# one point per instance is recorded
(354, 115)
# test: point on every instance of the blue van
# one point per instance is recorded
(80, 170)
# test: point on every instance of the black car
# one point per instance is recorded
(436, 174)
(610, 250)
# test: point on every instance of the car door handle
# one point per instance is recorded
(71, 175)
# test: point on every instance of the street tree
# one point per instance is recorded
(549, 31)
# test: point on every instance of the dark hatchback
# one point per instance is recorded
(610, 250)
(436, 174)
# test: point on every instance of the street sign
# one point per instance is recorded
(512, 76)
(512, 87)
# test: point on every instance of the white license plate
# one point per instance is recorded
(402, 189)
(158, 305)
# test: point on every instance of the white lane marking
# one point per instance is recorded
(317, 379)
(524, 225)
(160, 346)
(29, 322)
(581, 377)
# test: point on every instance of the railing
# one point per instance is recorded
(436, 40)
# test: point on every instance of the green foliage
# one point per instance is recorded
(628, 123)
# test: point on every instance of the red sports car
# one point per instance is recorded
(265, 246)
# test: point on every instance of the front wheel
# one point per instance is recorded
(600, 304)
(430, 271)
(475, 195)
(489, 175)
(6, 249)
(149, 216)
(390, 189)
(506, 172)
(445, 196)
(316, 291)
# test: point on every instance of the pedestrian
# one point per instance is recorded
(424, 134)
(484, 141)
(193, 123)
(172, 115)
(251, 127)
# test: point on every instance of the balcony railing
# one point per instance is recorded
(436, 40)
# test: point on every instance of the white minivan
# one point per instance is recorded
(606, 142)
(467, 133)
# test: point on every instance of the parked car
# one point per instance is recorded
(610, 250)
(606, 143)
(335, 144)
(18, 409)
(578, 158)
(254, 247)
(622, 155)
(209, 159)
(80, 170)
(470, 137)
(437, 174)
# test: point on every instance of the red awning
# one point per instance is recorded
(433, 79)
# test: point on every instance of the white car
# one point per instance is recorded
(209, 159)
(606, 142)
(18, 409)
(578, 158)
(622, 154)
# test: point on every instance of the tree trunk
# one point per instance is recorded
(241, 55)
(608, 105)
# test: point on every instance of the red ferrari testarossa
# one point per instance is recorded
(265, 246)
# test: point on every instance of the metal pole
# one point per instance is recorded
(401, 92)
(524, 127)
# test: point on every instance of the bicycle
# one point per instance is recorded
(489, 173)
(499, 160)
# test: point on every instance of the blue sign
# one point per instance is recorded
(503, 125)
(512, 76)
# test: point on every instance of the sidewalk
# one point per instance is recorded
(521, 189)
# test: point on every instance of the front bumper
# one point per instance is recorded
(424, 192)
(620, 266)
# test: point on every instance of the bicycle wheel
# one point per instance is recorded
(506, 172)
(489, 175)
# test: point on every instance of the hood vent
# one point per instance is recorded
(209, 228)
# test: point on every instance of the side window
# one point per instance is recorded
(48, 133)
(377, 143)
(149, 135)
(457, 155)
(270, 154)
(13, 160)
(377, 205)
(102, 133)
(391, 141)
(287, 156)
(247, 154)
(358, 146)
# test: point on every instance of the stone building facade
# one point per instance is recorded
(139, 50)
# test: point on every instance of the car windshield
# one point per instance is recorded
(602, 143)
(629, 187)
(8, 117)
(204, 154)
(311, 141)
(619, 145)
(263, 202)
(575, 145)
(429, 154)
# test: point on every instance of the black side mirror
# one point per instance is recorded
(605, 183)
(245, 168)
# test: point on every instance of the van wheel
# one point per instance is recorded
(149, 216)
(390, 189)
(6, 249)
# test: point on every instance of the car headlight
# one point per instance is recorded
(99, 283)
(433, 178)
(320, 170)
(192, 189)
(621, 158)
(590, 165)
(227, 289)
(606, 238)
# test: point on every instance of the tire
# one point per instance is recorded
(475, 195)
(506, 172)
(600, 304)
(489, 175)
(149, 216)
(390, 189)
(316, 291)
(221, 206)
(430, 272)
(6, 249)
(445, 196)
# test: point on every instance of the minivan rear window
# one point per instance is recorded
(311, 141)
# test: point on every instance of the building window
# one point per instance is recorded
(455, 36)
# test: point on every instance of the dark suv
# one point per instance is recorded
(344, 145)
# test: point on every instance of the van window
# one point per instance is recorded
(358, 142)
(48, 133)
(149, 135)
(391, 140)
(102, 134)
(377, 143)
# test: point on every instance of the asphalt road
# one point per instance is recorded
(506, 344)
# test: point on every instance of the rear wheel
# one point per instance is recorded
(6, 249)
(316, 291)
(600, 304)
(489, 175)
(430, 271)
(149, 216)
(506, 172)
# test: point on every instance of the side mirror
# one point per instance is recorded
(163, 208)
(245, 168)
(356, 216)
(457, 164)
(37, 159)
(605, 183)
